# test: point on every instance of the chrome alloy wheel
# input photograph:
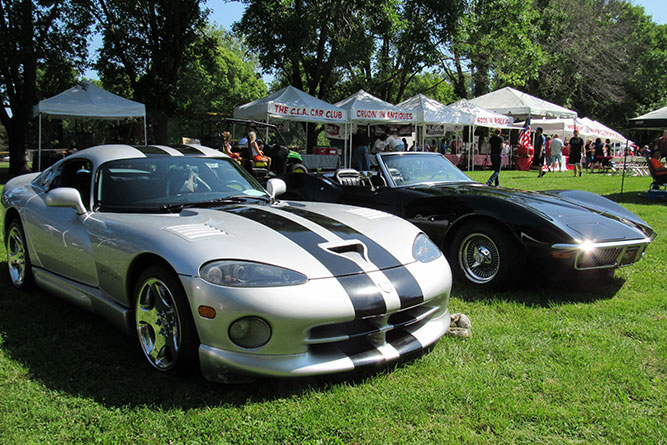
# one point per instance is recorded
(479, 258)
(17, 260)
(158, 324)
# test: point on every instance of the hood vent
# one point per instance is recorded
(196, 231)
(353, 250)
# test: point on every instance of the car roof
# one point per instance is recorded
(111, 152)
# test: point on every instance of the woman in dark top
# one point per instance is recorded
(598, 154)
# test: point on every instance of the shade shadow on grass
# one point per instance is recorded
(536, 291)
(634, 198)
(74, 351)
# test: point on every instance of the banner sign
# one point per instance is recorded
(485, 120)
(334, 131)
(435, 130)
(383, 115)
(306, 112)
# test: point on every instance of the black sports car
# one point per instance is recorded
(489, 234)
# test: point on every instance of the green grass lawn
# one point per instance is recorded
(546, 364)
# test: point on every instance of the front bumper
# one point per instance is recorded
(606, 255)
(218, 364)
(314, 327)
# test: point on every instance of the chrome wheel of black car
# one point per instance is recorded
(483, 255)
(163, 322)
(18, 260)
(479, 258)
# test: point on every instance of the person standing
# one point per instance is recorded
(496, 145)
(538, 155)
(598, 154)
(360, 159)
(442, 149)
(556, 152)
(394, 144)
(576, 147)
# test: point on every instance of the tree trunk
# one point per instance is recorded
(160, 124)
(16, 135)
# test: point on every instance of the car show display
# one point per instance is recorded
(490, 235)
(183, 249)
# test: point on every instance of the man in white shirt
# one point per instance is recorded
(394, 144)
(556, 147)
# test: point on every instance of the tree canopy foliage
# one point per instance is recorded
(46, 35)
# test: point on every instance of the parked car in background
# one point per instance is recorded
(183, 249)
(491, 236)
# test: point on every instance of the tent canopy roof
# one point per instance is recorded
(89, 101)
(362, 106)
(430, 111)
(481, 116)
(517, 103)
(656, 119)
(292, 104)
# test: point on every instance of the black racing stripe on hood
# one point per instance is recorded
(407, 287)
(366, 298)
(187, 150)
(152, 151)
(403, 342)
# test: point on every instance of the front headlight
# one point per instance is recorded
(424, 250)
(248, 274)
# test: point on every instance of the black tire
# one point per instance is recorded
(483, 256)
(297, 168)
(18, 258)
(165, 330)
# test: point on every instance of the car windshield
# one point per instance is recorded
(156, 184)
(417, 168)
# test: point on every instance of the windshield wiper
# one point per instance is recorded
(237, 199)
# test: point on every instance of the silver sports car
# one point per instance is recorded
(181, 248)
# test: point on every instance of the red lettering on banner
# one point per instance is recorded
(282, 109)
(366, 113)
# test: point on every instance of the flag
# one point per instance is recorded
(524, 137)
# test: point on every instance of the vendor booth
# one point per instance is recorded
(292, 104)
(434, 118)
(365, 109)
(87, 101)
(481, 118)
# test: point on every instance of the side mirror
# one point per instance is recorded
(66, 197)
(276, 187)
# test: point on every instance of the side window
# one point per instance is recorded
(77, 174)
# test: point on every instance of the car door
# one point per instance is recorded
(381, 198)
(59, 234)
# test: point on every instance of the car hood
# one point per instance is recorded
(317, 239)
(584, 215)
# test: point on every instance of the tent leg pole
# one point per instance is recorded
(145, 132)
(39, 145)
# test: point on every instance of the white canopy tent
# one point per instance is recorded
(431, 112)
(481, 118)
(364, 108)
(655, 120)
(87, 101)
(564, 127)
(521, 105)
(291, 104)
